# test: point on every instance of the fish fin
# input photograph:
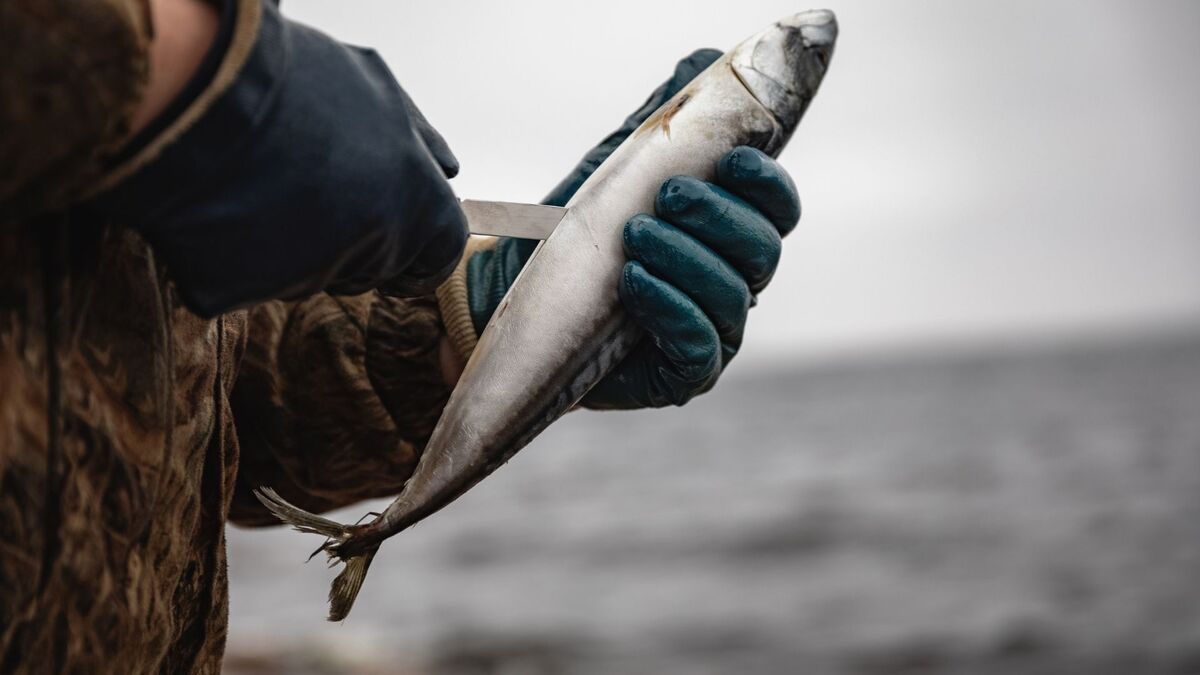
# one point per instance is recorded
(298, 518)
(346, 586)
(348, 583)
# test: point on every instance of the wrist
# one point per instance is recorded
(184, 33)
(450, 362)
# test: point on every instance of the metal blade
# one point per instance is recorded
(511, 219)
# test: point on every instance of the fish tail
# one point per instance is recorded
(298, 518)
(347, 584)
(344, 589)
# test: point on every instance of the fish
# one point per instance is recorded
(561, 327)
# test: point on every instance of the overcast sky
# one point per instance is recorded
(970, 171)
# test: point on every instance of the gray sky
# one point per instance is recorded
(971, 171)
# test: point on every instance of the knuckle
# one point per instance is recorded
(761, 264)
(729, 316)
(695, 371)
(690, 387)
(678, 396)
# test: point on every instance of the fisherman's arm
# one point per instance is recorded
(289, 164)
(273, 162)
(335, 398)
(72, 75)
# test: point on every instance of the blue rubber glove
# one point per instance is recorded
(694, 267)
(692, 275)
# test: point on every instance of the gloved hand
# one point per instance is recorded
(312, 171)
(694, 267)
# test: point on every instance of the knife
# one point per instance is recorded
(511, 219)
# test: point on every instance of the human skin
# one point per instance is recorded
(183, 32)
(451, 363)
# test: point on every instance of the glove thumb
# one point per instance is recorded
(685, 71)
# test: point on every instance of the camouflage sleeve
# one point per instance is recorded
(80, 69)
(335, 399)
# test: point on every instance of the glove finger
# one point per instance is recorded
(756, 177)
(683, 262)
(737, 231)
(685, 71)
(688, 357)
(433, 140)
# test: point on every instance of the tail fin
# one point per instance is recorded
(345, 587)
(299, 519)
(347, 584)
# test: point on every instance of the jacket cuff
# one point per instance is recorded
(241, 44)
(452, 301)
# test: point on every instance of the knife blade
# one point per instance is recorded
(511, 219)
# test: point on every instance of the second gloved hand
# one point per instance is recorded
(692, 274)
(311, 171)
(693, 269)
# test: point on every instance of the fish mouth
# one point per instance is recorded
(783, 66)
(819, 26)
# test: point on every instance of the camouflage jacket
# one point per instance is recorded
(131, 429)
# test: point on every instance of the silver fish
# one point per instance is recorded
(561, 327)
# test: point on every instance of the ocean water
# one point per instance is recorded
(1019, 512)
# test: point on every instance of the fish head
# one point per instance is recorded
(783, 65)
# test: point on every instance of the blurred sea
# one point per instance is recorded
(1030, 511)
